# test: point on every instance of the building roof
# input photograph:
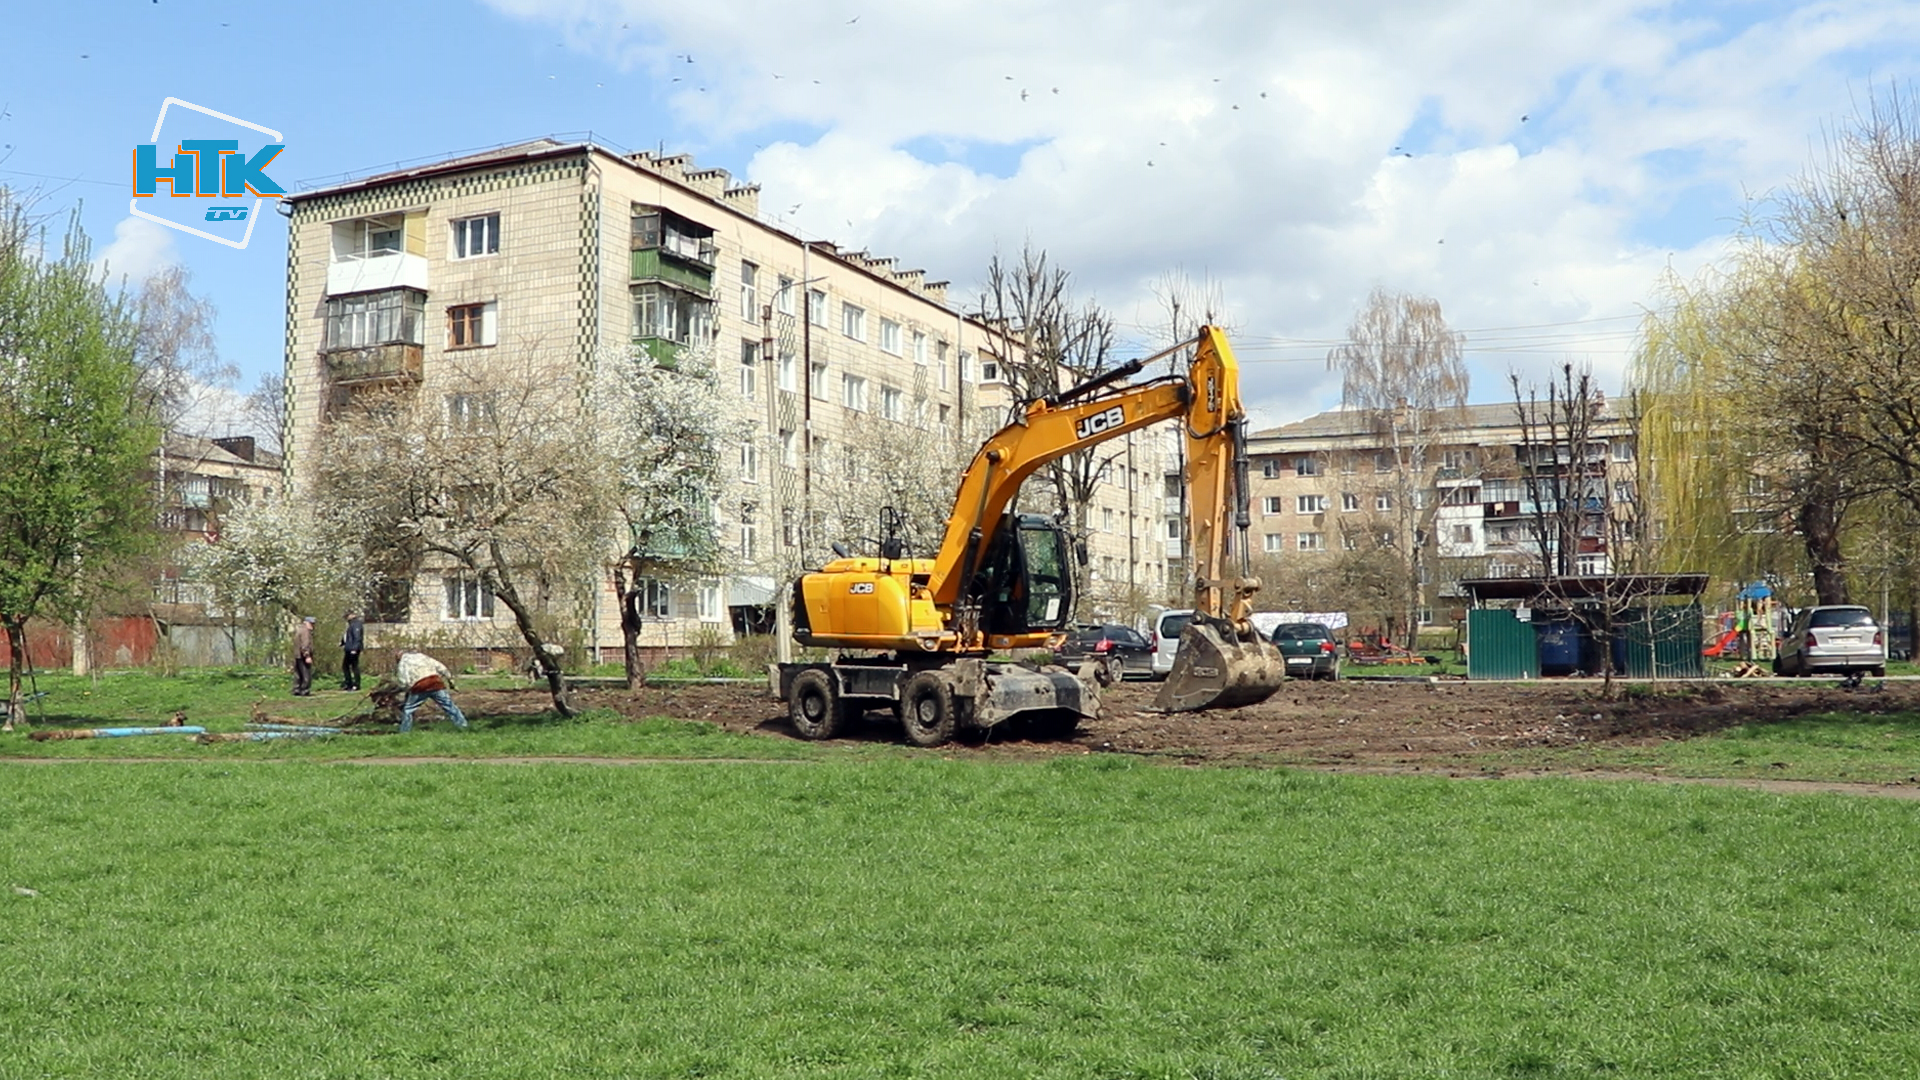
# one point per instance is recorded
(194, 448)
(1342, 422)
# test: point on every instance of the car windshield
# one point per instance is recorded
(1302, 632)
(1172, 626)
(1844, 616)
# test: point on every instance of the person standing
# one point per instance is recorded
(426, 679)
(303, 658)
(351, 643)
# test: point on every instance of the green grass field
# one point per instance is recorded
(1088, 917)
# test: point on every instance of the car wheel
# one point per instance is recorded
(1877, 673)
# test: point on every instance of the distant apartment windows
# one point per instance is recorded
(658, 230)
(892, 403)
(749, 368)
(1458, 460)
(940, 361)
(789, 455)
(1270, 468)
(787, 369)
(466, 598)
(890, 336)
(816, 307)
(1106, 519)
(707, 600)
(392, 317)
(990, 371)
(1269, 505)
(1349, 501)
(920, 348)
(655, 597)
(1310, 504)
(783, 297)
(946, 416)
(1311, 541)
(368, 238)
(749, 529)
(1306, 465)
(1462, 534)
(1382, 461)
(1272, 543)
(749, 292)
(853, 321)
(1383, 501)
(966, 366)
(476, 236)
(1623, 491)
(1347, 464)
(1623, 450)
(668, 314)
(853, 392)
(749, 461)
(470, 326)
(1349, 542)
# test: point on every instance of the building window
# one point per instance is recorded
(819, 375)
(1310, 504)
(749, 462)
(890, 336)
(749, 292)
(383, 318)
(1349, 542)
(989, 371)
(1458, 460)
(920, 348)
(1463, 534)
(671, 315)
(853, 321)
(476, 236)
(966, 366)
(1106, 519)
(1623, 450)
(749, 529)
(946, 416)
(1311, 541)
(940, 361)
(785, 369)
(1270, 505)
(1623, 491)
(788, 455)
(470, 412)
(1382, 461)
(471, 326)
(368, 238)
(816, 307)
(853, 392)
(466, 599)
(1274, 543)
(1383, 501)
(749, 367)
(708, 599)
(892, 403)
(1306, 465)
(655, 596)
(1347, 466)
(1270, 468)
(1349, 501)
(783, 297)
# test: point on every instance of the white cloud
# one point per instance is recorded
(139, 248)
(1270, 129)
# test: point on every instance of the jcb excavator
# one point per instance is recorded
(1000, 582)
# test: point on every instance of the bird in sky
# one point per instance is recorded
(1023, 95)
(850, 22)
(1523, 119)
(1056, 89)
(1149, 164)
(777, 75)
(1406, 155)
(1263, 93)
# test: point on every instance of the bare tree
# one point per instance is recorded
(490, 477)
(265, 410)
(1402, 368)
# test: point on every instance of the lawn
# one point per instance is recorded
(1085, 917)
(1830, 746)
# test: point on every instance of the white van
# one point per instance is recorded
(1166, 639)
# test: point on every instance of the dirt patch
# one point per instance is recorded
(1352, 725)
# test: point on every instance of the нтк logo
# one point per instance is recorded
(206, 168)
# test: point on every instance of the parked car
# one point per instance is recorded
(1166, 639)
(1309, 649)
(1840, 639)
(1124, 644)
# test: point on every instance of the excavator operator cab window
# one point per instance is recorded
(1049, 584)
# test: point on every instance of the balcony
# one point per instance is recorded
(375, 270)
(657, 264)
(396, 362)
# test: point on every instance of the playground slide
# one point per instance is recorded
(1720, 647)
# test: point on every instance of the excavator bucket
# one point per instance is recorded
(1215, 669)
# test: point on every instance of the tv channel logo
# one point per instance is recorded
(212, 156)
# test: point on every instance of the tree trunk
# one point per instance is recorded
(523, 620)
(17, 653)
(630, 624)
(1819, 522)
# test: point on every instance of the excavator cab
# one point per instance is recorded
(1025, 584)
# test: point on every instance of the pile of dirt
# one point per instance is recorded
(1356, 723)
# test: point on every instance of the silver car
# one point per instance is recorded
(1840, 639)
(1166, 639)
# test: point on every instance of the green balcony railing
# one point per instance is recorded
(374, 363)
(652, 264)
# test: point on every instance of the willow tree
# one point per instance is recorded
(1402, 369)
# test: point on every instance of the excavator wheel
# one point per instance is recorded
(1216, 669)
(814, 707)
(927, 710)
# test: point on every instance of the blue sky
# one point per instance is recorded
(1531, 166)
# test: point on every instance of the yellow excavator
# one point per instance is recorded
(1001, 583)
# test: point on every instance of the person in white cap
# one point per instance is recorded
(303, 658)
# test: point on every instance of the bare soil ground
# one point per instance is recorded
(1355, 724)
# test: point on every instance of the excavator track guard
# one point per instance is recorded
(1217, 669)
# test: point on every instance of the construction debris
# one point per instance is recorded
(113, 732)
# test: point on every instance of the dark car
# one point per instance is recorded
(1309, 649)
(1113, 642)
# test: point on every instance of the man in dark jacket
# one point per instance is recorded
(351, 643)
(303, 658)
